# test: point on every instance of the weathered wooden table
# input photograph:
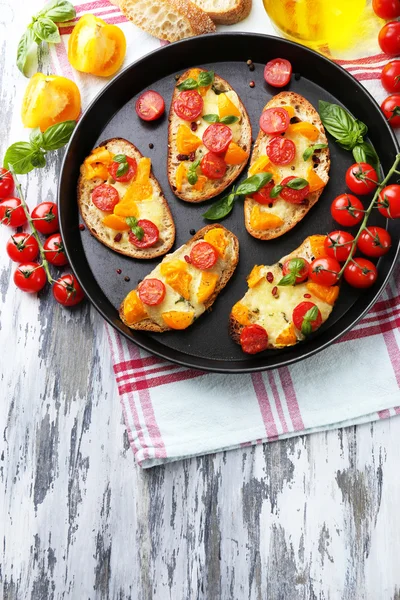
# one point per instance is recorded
(311, 518)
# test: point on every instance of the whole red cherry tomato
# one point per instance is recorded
(67, 290)
(361, 178)
(360, 273)
(389, 201)
(390, 76)
(324, 271)
(374, 241)
(22, 247)
(389, 38)
(391, 109)
(347, 210)
(45, 216)
(338, 245)
(30, 277)
(6, 183)
(386, 9)
(54, 248)
(12, 212)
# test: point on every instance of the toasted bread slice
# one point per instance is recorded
(319, 163)
(270, 305)
(241, 137)
(184, 283)
(155, 210)
(170, 20)
(225, 12)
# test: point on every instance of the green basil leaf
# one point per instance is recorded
(298, 183)
(229, 119)
(192, 177)
(336, 120)
(123, 168)
(311, 314)
(120, 158)
(253, 184)
(211, 118)
(362, 128)
(19, 155)
(289, 279)
(220, 209)
(306, 327)
(205, 78)
(132, 222)
(38, 159)
(349, 141)
(46, 30)
(311, 149)
(58, 11)
(56, 136)
(26, 53)
(366, 153)
(36, 137)
(188, 84)
(276, 190)
(296, 265)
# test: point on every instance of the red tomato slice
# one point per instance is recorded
(291, 267)
(203, 255)
(150, 237)
(253, 339)
(300, 313)
(188, 105)
(274, 120)
(262, 196)
(213, 166)
(151, 292)
(217, 138)
(105, 197)
(293, 196)
(277, 72)
(281, 151)
(130, 174)
(150, 106)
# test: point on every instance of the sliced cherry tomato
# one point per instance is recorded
(128, 175)
(105, 197)
(374, 241)
(217, 138)
(253, 339)
(389, 38)
(67, 290)
(150, 106)
(391, 109)
(281, 151)
(386, 9)
(324, 271)
(307, 317)
(360, 273)
(188, 105)
(151, 291)
(295, 270)
(390, 76)
(12, 212)
(45, 216)
(347, 210)
(6, 183)
(291, 195)
(262, 196)
(274, 120)
(213, 166)
(30, 277)
(150, 237)
(22, 247)
(389, 201)
(361, 178)
(203, 255)
(277, 72)
(338, 245)
(54, 248)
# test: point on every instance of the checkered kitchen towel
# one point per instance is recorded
(173, 412)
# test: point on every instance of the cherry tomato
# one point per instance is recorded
(6, 183)
(386, 9)
(389, 38)
(391, 109)
(389, 201)
(130, 174)
(150, 237)
(217, 138)
(360, 273)
(347, 210)
(274, 120)
(150, 106)
(374, 241)
(262, 196)
(188, 105)
(151, 292)
(298, 267)
(203, 255)
(281, 151)
(306, 317)
(45, 216)
(361, 178)
(324, 270)
(213, 166)
(22, 247)
(253, 339)
(277, 72)
(390, 76)
(291, 195)
(67, 290)
(54, 249)
(30, 277)
(338, 245)
(12, 213)
(105, 197)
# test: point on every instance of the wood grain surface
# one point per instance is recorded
(311, 518)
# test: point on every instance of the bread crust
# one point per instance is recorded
(229, 16)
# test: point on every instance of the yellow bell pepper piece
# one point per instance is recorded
(186, 141)
(180, 176)
(289, 109)
(207, 286)
(116, 222)
(261, 164)
(287, 337)
(140, 187)
(216, 237)
(317, 243)
(200, 183)
(97, 170)
(314, 180)
(133, 309)
(263, 220)
(241, 313)
(235, 155)
(178, 320)
(255, 276)
(328, 294)
(176, 275)
(99, 155)
(126, 209)
(194, 74)
(226, 107)
(308, 130)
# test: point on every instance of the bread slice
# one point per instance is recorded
(225, 268)
(170, 20)
(225, 12)
(93, 217)
(212, 187)
(291, 213)
(271, 306)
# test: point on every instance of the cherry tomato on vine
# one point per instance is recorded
(374, 241)
(389, 201)
(390, 76)
(6, 183)
(386, 9)
(12, 212)
(30, 277)
(67, 291)
(22, 247)
(391, 109)
(253, 339)
(361, 178)
(54, 249)
(338, 245)
(45, 216)
(324, 271)
(360, 273)
(389, 38)
(347, 210)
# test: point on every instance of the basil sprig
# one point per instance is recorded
(213, 118)
(138, 231)
(311, 149)
(223, 207)
(348, 132)
(308, 319)
(204, 79)
(298, 183)
(191, 174)
(295, 266)
(43, 28)
(123, 166)
(26, 156)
